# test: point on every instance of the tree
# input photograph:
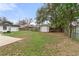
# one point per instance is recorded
(25, 22)
(4, 21)
(41, 15)
(61, 14)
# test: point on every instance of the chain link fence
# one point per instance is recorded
(75, 33)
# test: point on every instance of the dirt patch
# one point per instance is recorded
(65, 47)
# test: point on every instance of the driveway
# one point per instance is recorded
(4, 40)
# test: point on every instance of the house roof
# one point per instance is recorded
(11, 25)
(15, 25)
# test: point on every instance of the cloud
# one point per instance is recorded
(7, 6)
(33, 22)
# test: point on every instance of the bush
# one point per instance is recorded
(8, 31)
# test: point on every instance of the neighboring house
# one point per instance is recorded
(23, 26)
(9, 27)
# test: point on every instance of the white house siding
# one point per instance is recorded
(1, 28)
(14, 28)
(9, 28)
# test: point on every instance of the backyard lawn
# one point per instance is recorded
(40, 44)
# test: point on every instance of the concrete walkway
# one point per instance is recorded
(4, 40)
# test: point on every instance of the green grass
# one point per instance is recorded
(36, 44)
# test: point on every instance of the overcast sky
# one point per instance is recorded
(15, 12)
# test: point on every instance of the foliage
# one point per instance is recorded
(25, 23)
(4, 21)
(60, 14)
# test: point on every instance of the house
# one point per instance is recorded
(9, 28)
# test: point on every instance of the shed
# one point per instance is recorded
(44, 28)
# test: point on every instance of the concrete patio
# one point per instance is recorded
(4, 40)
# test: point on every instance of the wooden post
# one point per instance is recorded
(75, 31)
(70, 31)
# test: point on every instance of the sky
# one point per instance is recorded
(18, 11)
